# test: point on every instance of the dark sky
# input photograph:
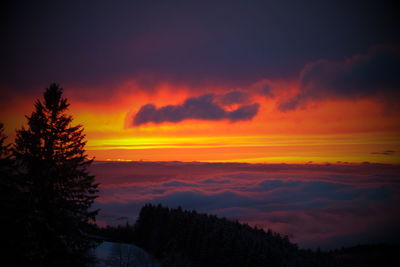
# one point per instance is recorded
(194, 42)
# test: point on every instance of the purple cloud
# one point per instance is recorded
(316, 205)
(235, 97)
(376, 73)
(205, 107)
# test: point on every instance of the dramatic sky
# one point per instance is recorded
(239, 81)
(310, 87)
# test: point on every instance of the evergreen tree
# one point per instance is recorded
(7, 187)
(13, 209)
(4, 149)
(6, 163)
(51, 158)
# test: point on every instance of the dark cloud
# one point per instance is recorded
(386, 152)
(179, 184)
(237, 42)
(266, 91)
(204, 107)
(374, 74)
(234, 97)
(214, 181)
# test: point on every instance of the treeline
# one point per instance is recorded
(186, 238)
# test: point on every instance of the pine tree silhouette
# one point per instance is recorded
(12, 207)
(50, 155)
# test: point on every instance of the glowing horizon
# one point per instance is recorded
(318, 133)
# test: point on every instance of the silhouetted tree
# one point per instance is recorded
(4, 149)
(7, 193)
(14, 208)
(53, 166)
(6, 163)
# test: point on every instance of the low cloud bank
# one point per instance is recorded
(316, 205)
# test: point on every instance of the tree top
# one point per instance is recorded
(53, 98)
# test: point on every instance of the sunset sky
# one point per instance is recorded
(214, 81)
(193, 91)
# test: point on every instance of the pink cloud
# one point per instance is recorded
(315, 205)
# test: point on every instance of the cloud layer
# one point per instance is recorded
(186, 41)
(205, 107)
(316, 205)
(375, 74)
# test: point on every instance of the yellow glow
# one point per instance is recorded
(329, 131)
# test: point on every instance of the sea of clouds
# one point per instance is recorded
(326, 206)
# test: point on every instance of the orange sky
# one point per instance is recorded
(323, 131)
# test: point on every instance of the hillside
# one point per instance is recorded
(186, 238)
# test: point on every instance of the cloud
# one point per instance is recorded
(266, 91)
(386, 152)
(316, 205)
(375, 74)
(220, 42)
(235, 97)
(204, 107)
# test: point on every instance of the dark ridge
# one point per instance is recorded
(187, 238)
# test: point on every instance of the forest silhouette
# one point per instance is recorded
(47, 216)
